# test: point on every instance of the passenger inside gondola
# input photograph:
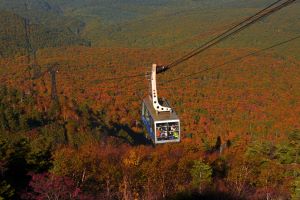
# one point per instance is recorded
(158, 132)
(167, 131)
(175, 131)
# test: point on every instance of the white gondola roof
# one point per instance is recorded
(162, 116)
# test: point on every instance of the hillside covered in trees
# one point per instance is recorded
(72, 132)
(35, 26)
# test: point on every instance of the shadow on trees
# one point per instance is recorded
(96, 123)
(132, 137)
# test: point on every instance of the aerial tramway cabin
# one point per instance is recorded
(162, 127)
(160, 120)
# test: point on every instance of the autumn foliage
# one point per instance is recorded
(240, 127)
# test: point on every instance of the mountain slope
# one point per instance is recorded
(13, 35)
(47, 24)
(196, 25)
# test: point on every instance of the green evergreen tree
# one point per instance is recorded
(39, 156)
(201, 174)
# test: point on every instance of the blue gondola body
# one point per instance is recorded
(148, 127)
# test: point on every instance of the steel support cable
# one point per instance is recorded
(226, 36)
(218, 39)
(218, 66)
(253, 19)
(233, 60)
(124, 77)
(200, 51)
(237, 28)
(212, 32)
(135, 91)
(226, 31)
(187, 56)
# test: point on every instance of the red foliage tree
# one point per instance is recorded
(52, 187)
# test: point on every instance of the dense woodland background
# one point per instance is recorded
(68, 133)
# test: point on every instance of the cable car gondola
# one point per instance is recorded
(160, 120)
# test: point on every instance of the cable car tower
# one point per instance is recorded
(160, 120)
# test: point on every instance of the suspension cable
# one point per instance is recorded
(233, 60)
(274, 7)
(235, 29)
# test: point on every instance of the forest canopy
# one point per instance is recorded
(70, 123)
